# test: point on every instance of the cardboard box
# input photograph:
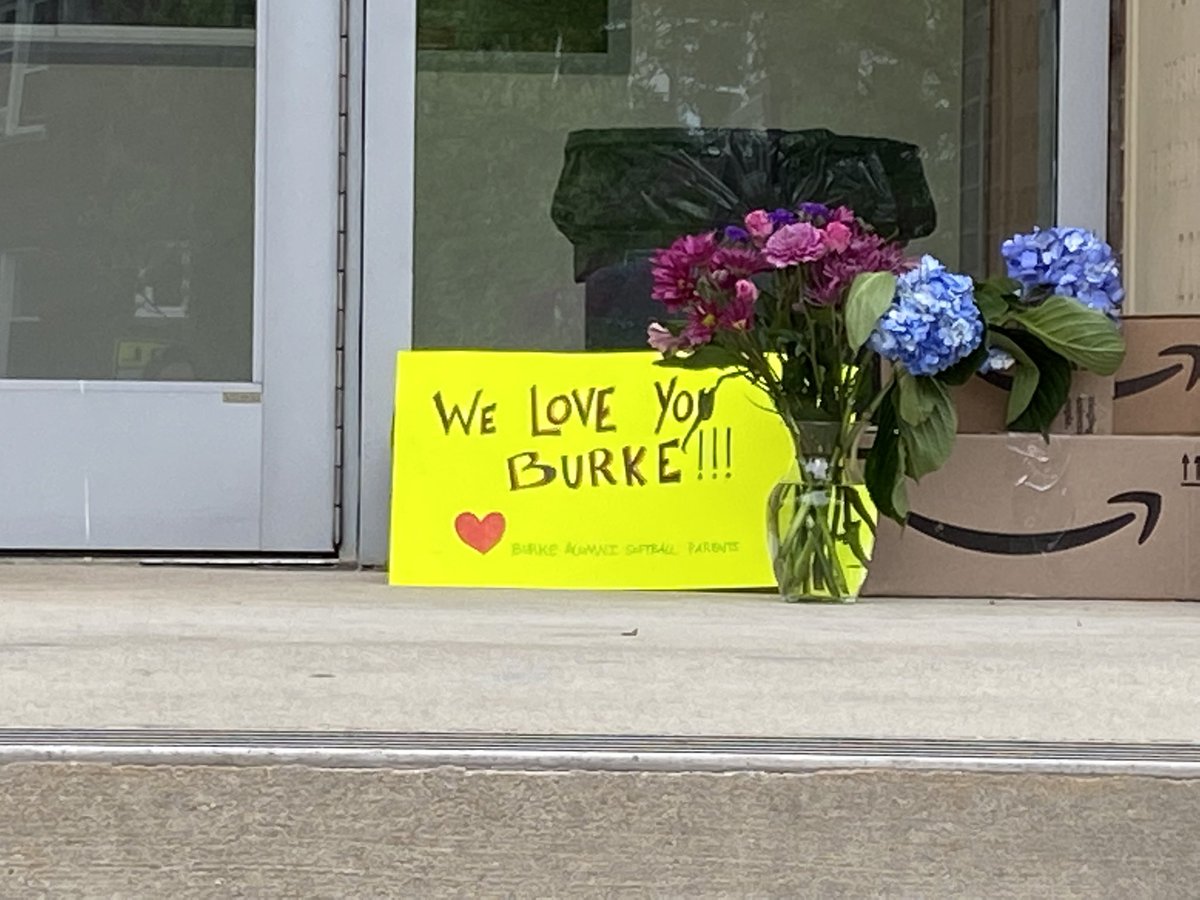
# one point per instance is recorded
(982, 405)
(1156, 389)
(1081, 517)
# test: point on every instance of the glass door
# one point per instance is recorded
(152, 317)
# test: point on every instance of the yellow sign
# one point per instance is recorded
(574, 470)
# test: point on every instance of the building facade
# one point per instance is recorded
(222, 218)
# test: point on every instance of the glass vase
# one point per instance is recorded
(821, 525)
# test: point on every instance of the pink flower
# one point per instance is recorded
(760, 226)
(663, 341)
(795, 244)
(746, 291)
(837, 236)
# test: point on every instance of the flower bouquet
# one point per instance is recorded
(856, 347)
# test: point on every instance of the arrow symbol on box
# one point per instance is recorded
(1143, 383)
(1039, 543)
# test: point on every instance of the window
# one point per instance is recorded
(541, 192)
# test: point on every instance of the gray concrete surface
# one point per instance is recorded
(263, 833)
(117, 645)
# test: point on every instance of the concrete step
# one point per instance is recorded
(161, 813)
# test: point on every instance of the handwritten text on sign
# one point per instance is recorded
(577, 471)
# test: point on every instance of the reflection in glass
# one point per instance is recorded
(540, 192)
(127, 167)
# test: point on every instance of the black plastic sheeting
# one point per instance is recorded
(625, 192)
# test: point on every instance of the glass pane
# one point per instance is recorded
(127, 136)
(559, 142)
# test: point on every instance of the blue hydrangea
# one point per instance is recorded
(1070, 262)
(997, 361)
(933, 323)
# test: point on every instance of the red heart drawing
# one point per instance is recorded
(481, 535)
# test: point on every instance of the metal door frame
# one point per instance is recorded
(296, 264)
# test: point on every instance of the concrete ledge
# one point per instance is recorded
(185, 832)
(107, 646)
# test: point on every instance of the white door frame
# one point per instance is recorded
(389, 109)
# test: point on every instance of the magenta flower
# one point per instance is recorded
(792, 245)
(832, 276)
(740, 261)
(738, 313)
(845, 215)
(701, 326)
(676, 272)
(760, 225)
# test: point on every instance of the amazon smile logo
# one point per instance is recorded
(1133, 386)
(1036, 544)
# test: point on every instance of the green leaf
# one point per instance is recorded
(870, 296)
(1000, 285)
(928, 445)
(964, 370)
(917, 398)
(992, 297)
(710, 356)
(1026, 376)
(884, 471)
(992, 307)
(1053, 389)
(1080, 335)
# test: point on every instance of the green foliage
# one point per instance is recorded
(886, 465)
(869, 298)
(1083, 336)
(929, 442)
(1053, 384)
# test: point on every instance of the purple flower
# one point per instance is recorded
(737, 234)
(1070, 262)
(815, 210)
(792, 245)
(782, 217)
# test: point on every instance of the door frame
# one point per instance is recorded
(296, 269)
(383, 242)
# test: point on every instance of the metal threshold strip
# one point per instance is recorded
(610, 753)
